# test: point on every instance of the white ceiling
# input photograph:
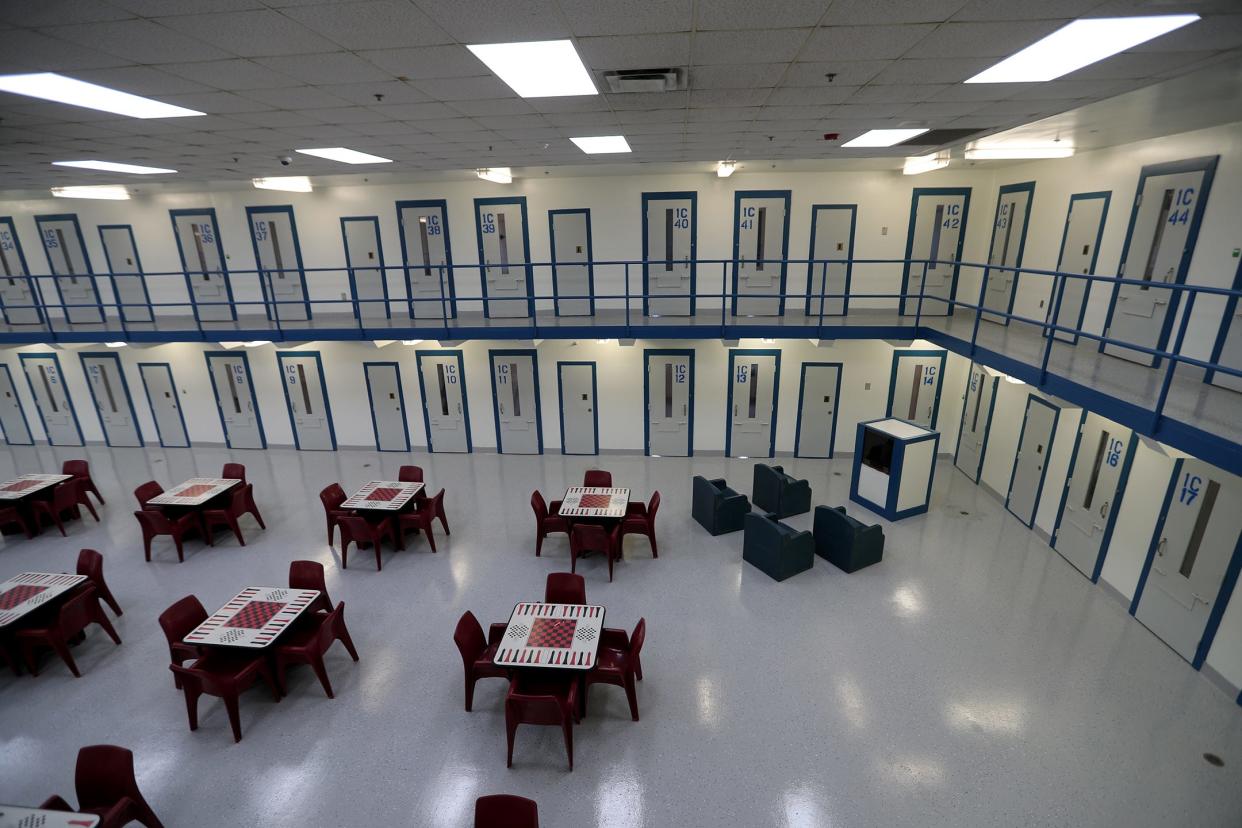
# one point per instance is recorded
(281, 74)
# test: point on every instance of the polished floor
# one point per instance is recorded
(974, 678)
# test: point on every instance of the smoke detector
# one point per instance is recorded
(645, 80)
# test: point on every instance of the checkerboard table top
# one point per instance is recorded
(594, 501)
(254, 618)
(559, 636)
(194, 492)
(15, 816)
(28, 591)
(29, 484)
(385, 495)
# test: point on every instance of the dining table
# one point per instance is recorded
(17, 816)
(551, 636)
(28, 591)
(23, 489)
(195, 492)
(594, 502)
(383, 496)
(253, 618)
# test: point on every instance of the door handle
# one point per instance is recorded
(459, 408)
(1104, 509)
(683, 411)
(1160, 547)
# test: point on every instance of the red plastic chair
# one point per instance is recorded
(477, 653)
(11, 516)
(332, 497)
(155, 524)
(505, 811)
(640, 520)
(238, 505)
(8, 657)
(147, 491)
(597, 477)
(540, 701)
(309, 575)
(306, 644)
(251, 508)
(106, 786)
(56, 803)
(72, 618)
(617, 662)
(225, 675)
(420, 520)
(564, 588)
(359, 532)
(81, 471)
(547, 520)
(90, 564)
(64, 501)
(234, 471)
(177, 622)
(410, 474)
(79, 492)
(591, 537)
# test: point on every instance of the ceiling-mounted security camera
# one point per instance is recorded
(285, 160)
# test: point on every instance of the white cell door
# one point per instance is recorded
(1079, 251)
(670, 224)
(280, 263)
(571, 252)
(1034, 446)
(1158, 250)
(1094, 480)
(1193, 550)
(17, 292)
(976, 421)
(502, 247)
(199, 241)
(444, 402)
(517, 403)
(112, 401)
(937, 228)
(669, 399)
(47, 385)
(66, 255)
(122, 257)
(832, 229)
(12, 417)
(165, 408)
(759, 227)
(308, 401)
(817, 410)
(239, 410)
(578, 415)
(428, 265)
(365, 261)
(916, 387)
(387, 406)
(1231, 350)
(752, 419)
(1008, 237)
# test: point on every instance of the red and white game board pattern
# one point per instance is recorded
(29, 483)
(387, 495)
(194, 492)
(12, 816)
(30, 590)
(254, 618)
(551, 635)
(593, 501)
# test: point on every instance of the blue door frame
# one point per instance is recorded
(129, 400)
(1054, 301)
(171, 384)
(734, 353)
(405, 425)
(519, 201)
(694, 241)
(254, 401)
(208, 214)
(73, 410)
(1043, 474)
(918, 193)
(36, 296)
(422, 390)
(451, 275)
(138, 271)
(849, 255)
(648, 353)
(491, 369)
(560, 398)
(738, 195)
(987, 424)
(892, 380)
(832, 437)
(86, 259)
(269, 295)
(1029, 188)
(8, 438)
(379, 251)
(281, 356)
(552, 214)
(1122, 478)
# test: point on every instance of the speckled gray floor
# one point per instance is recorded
(972, 679)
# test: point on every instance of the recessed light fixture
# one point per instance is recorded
(925, 163)
(1080, 44)
(110, 192)
(883, 137)
(997, 153)
(288, 183)
(115, 344)
(600, 144)
(257, 343)
(53, 87)
(112, 166)
(497, 175)
(1014, 380)
(724, 169)
(411, 341)
(345, 155)
(538, 69)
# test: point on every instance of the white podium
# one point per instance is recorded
(894, 464)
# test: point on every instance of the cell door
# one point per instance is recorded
(306, 394)
(832, 249)
(17, 291)
(121, 254)
(445, 414)
(278, 255)
(1193, 547)
(760, 248)
(515, 395)
(937, 230)
(110, 391)
(914, 390)
(364, 256)
(754, 382)
(976, 421)
(579, 419)
(670, 402)
(1034, 446)
(47, 386)
(12, 416)
(428, 257)
(239, 409)
(71, 267)
(669, 229)
(1080, 249)
(387, 406)
(1013, 208)
(157, 378)
(1159, 244)
(817, 409)
(202, 259)
(504, 254)
(573, 277)
(1093, 492)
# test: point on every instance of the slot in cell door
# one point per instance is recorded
(17, 290)
(202, 257)
(444, 401)
(1194, 546)
(51, 396)
(309, 411)
(12, 416)
(976, 421)
(817, 409)
(670, 404)
(364, 256)
(428, 257)
(121, 253)
(571, 257)
(235, 397)
(914, 394)
(1008, 244)
(504, 255)
(1080, 249)
(760, 248)
(1094, 491)
(937, 229)
(71, 267)
(753, 386)
(1034, 447)
(279, 256)
(157, 378)
(515, 390)
(579, 418)
(113, 403)
(387, 406)
(832, 247)
(669, 226)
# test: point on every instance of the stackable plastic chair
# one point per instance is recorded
(618, 662)
(90, 564)
(597, 478)
(591, 537)
(640, 520)
(81, 472)
(226, 675)
(83, 499)
(155, 524)
(505, 811)
(147, 491)
(540, 701)
(72, 618)
(309, 575)
(227, 515)
(105, 783)
(477, 653)
(177, 622)
(306, 644)
(357, 530)
(332, 497)
(547, 519)
(62, 503)
(564, 588)
(234, 471)
(12, 516)
(410, 474)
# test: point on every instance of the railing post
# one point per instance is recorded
(974, 334)
(724, 295)
(1158, 412)
(444, 314)
(627, 300)
(823, 289)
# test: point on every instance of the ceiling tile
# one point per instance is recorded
(931, 71)
(382, 128)
(749, 75)
(1214, 32)
(274, 118)
(344, 115)
(493, 106)
(1136, 65)
(799, 96)
(35, 13)
(887, 12)
(648, 100)
(755, 46)
(497, 21)
(296, 97)
(568, 103)
(250, 33)
(325, 68)
(216, 102)
(842, 73)
(705, 98)
(411, 111)
(26, 51)
(622, 17)
(138, 41)
(158, 8)
(590, 120)
(967, 40)
(635, 52)
(747, 14)
(722, 114)
(979, 91)
(1065, 89)
(461, 89)
(141, 80)
(895, 93)
(1024, 9)
(498, 122)
(371, 25)
(943, 109)
(364, 93)
(231, 75)
(428, 62)
(864, 42)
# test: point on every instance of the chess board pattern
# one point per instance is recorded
(254, 618)
(559, 636)
(385, 495)
(194, 492)
(255, 614)
(13, 816)
(552, 632)
(19, 594)
(593, 501)
(29, 484)
(28, 591)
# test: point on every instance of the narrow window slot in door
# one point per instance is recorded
(228, 372)
(444, 405)
(424, 244)
(107, 384)
(513, 383)
(974, 422)
(306, 400)
(1166, 204)
(761, 224)
(1095, 470)
(47, 389)
(504, 243)
(668, 389)
(754, 390)
(934, 253)
(1201, 524)
(668, 239)
(914, 392)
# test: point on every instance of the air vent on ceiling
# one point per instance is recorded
(645, 80)
(939, 137)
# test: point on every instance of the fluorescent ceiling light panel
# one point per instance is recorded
(883, 137)
(602, 143)
(925, 163)
(52, 87)
(345, 155)
(110, 192)
(497, 175)
(115, 344)
(112, 166)
(288, 183)
(998, 153)
(538, 69)
(1080, 44)
(724, 169)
